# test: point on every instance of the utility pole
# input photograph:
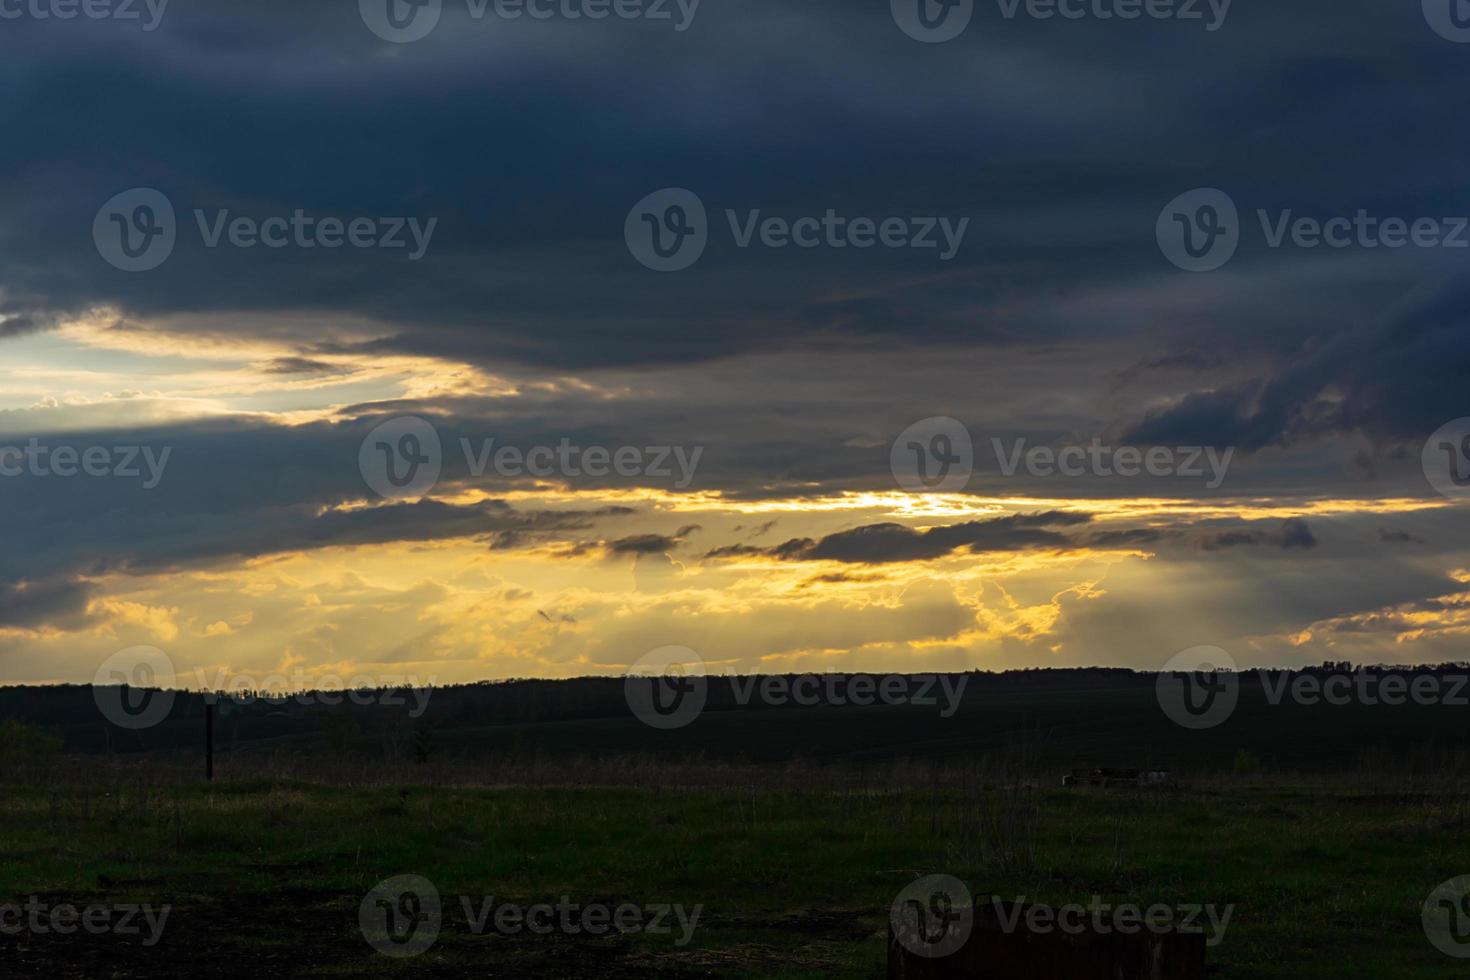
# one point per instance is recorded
(209, 737)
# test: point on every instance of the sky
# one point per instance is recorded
(463, 345)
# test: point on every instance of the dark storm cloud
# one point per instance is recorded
(145, 543)
(228, 491)
(298, 365)
(530, 141)
(1399, 381)
(648, 544)
(18, 326)
(879, 543)
(641, 544)
(238, 488)
(888, 542)
(1131, 537)
(57, 602)
(1292, 533)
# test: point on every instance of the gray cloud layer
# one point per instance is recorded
(1058, 319)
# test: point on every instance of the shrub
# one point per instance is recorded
(25, 753)
(1246, 763)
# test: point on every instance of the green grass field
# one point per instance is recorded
(266, 877)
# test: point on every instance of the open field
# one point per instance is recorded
(778, 836)
(265, 877)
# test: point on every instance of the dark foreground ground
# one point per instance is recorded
(266, 877)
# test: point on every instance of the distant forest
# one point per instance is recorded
(591, 714)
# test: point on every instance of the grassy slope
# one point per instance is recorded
(267, 878)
